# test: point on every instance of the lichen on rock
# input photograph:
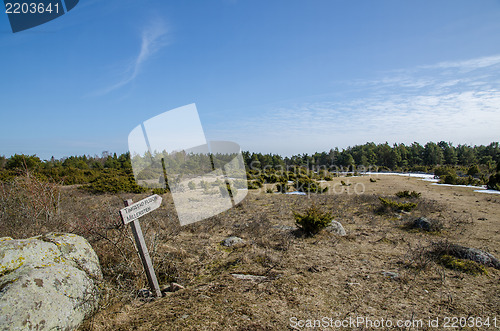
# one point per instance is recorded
(48, 281)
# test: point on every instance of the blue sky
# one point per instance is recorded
(282, 77)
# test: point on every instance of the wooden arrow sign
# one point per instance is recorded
(130, 214)
(139, 209)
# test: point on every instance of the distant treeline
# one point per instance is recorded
(113, 173)
(398, 157)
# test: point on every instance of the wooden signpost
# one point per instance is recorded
(131, 214)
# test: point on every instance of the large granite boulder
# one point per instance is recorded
(47, 282)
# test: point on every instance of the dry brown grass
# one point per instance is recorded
(306, 277)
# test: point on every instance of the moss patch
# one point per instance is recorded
(466, 266)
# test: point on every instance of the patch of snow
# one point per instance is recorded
(428, 177)
(488, 191)
(296, 193)
(470, 186)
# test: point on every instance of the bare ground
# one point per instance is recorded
(307, 278)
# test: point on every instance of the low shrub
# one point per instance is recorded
(254, 184)
(313, 221)
(112, 181)
(448, 175)
(29, 205)
(282, 187)
(388, 204)
(307, 185)
(159, 191)
(494, 182)
(408, 194)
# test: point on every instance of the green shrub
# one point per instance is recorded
(395, 206)
(313, 221)
(448, 175)
(192, 185)
(494, 182)
(159, 191)
(445, 171)
(254, 184)
(473, 170)
(307, 185)
(114, 181)
(282, 187)
(8, 175)
(408, 194)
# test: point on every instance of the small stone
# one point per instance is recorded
(337, 228)
(313, 268)
(422, 223)
(175, 287)
(172, 287)
(231, 241)
(391, 274)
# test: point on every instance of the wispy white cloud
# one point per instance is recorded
(152, 40)
(423, 104)
(471, 64)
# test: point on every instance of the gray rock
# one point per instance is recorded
(482, 257)
(47, 282)
(422, 223)
(473, 254)
(230, 241)
(393, 275)
(172, 287)
(336, 227)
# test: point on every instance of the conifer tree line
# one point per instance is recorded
(113, 173)
(398, 157)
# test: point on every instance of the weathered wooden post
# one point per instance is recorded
(131, 214)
